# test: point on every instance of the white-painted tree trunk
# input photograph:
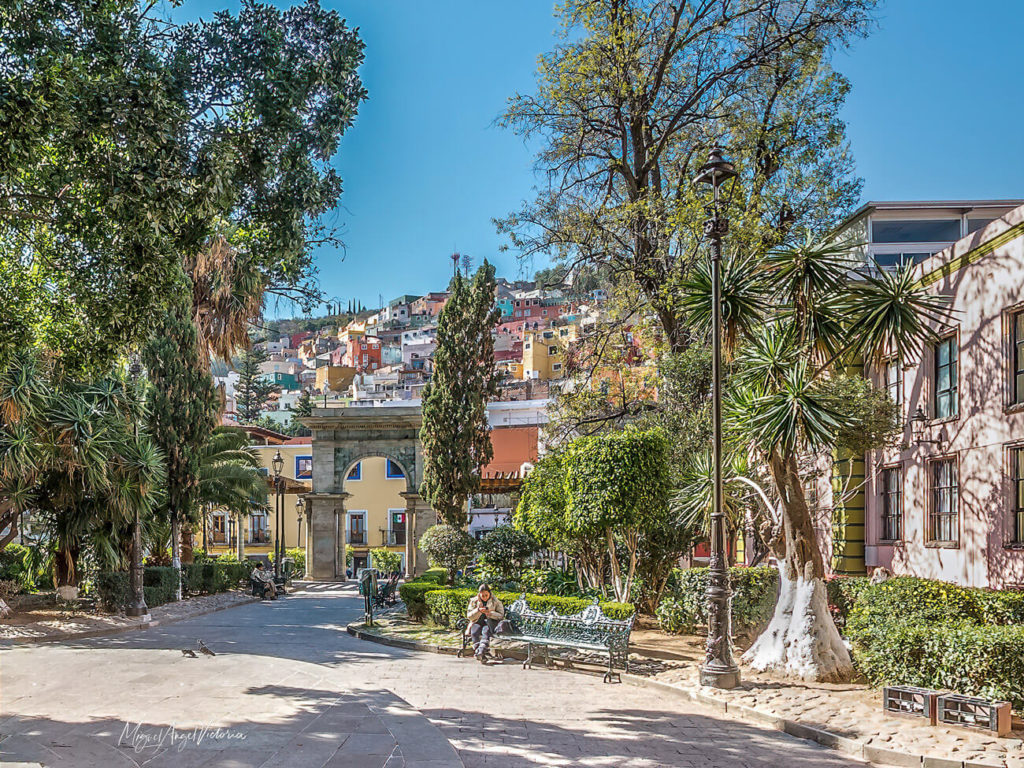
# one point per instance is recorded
(801, 640)
(5, 610)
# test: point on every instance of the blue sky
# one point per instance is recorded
(935, 112)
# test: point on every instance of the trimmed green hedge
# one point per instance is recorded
(159, 586)
(413, 593)
(444, 605)
(209, 577)
(910, 631)
(684, 603)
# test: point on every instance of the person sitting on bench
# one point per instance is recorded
(263, 580)
(484, 613)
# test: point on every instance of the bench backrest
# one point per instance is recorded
(589, 625)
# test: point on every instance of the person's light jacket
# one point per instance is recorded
(478, 606)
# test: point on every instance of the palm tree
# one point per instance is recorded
(230, 477)
(227, 295)
(810, 314)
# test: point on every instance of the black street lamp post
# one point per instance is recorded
(278, 464)
(299, 508)
(719, 669)
(137, 606)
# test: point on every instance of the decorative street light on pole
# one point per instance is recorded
(278, 463)
(719, 669)
(299, 507)
(137, 606)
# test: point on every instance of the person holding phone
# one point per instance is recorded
(484, 613)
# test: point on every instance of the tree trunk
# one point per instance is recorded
(65, 567)
(240, 540)
(5, 610)
(176, 550)
(802, 639)
(187, 545)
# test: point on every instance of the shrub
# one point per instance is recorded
(385, 560)
(160, 584)
(436, 575)
(444, 605)
(413, 594)
(12, 566)
(210, 577)
(976, 660)
(921, 632)
(843, 592)
(504, 550)
(684, 603)
(114, 588)
(448, 547)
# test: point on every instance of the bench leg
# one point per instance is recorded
(528, 661)
(610, 673)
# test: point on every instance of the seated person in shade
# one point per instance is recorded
(484, 613)
(265, 578)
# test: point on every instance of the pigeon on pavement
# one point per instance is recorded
(189, 653)
(203, 649)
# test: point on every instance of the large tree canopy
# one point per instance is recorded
(127, 143)
(628, 105)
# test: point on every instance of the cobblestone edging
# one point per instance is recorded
(853, 747)
(123, 627)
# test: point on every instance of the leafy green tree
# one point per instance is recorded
(504, 551)
(809, 314)
(173, 129)
(616, 486)
(455, 434)
(253, 391)
(448, 547)
(541, 512)
(385, 560)
(183, 413)
(627, 106)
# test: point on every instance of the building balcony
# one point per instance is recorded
(395, 538)
(356, 537)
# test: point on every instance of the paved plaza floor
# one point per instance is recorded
(289, 688)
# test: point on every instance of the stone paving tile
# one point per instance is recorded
(286, 673)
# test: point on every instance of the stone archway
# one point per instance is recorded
(341, 437)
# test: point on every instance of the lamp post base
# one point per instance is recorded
(715, 676)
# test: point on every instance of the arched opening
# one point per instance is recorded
(375, 510)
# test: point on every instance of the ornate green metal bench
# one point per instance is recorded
(589, 630)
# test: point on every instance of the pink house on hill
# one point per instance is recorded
(949, 502)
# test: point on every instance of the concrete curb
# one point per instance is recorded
(853, 747)
(134, 627)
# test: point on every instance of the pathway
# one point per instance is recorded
(289, 688)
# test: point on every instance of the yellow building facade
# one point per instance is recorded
(258, 529)
(374, 509)
(544, 351)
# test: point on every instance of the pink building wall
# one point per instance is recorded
(985, 293)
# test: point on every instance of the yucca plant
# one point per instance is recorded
(810, 314)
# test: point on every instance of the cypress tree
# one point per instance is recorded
(183, 412)
(455, 435)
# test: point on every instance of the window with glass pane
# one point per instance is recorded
(894, 380)
(1018, 357)
(892, 504)
(945, 509)
(1017, 483)
(919, 231)
(946, 399)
